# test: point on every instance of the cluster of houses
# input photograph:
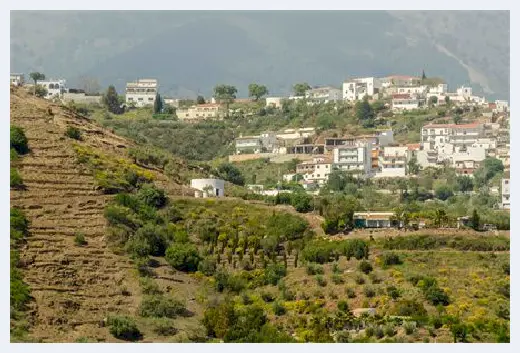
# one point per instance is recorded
(462, 147)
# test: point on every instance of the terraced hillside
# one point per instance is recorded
(74, 287)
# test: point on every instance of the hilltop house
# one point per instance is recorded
(358, 88)
(201, 112)
(142, 92)
(323, 94)
(17, 79)
(55, 88)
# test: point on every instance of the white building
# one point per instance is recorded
(172, 102)
(141, 92)
(355, 156)
(399, 80)
(412, 90)
(461, 136)
(208, 187)
(392, 162)
(17, 79)
(465, 92)
(316, 171)
(201, 112)
(358, 88)
(440, 89)
(55, 88)
(323, 94)
(403, 102)
(506, 193)
(502, 106)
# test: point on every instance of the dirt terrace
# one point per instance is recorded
(74, 287)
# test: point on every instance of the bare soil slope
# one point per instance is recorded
(74, 288)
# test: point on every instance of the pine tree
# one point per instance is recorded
(111, 101)
(157, 104)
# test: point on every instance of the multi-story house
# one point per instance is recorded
(465, 92)
(141, 92)
(461, 136)
(316, 171)
(440, 89)
(465, 166)
(501, 106)
(358, 88)
(248, 144)
(17, 79)
(402, 102)
(392, 161)
(354, 156)
(201, 112)
(412, 90)
(506, 192)
(55, 88)
(323, 94)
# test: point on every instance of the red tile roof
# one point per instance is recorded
(413, 146)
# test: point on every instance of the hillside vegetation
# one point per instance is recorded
(107, 245)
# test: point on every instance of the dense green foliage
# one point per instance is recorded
(19, 140)
(124, 328)
(73, 133)
(427, 242)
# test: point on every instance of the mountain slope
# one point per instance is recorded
(191, 51)
(74, 288)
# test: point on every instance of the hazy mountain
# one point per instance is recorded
(190, 52)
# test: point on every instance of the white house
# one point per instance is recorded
(358, 88)
(17, 79)
(141, 92)
(55, 88)
(506, 193)
(502, 106)
(316, 171)
(200, 112)
(465, 92)
(402, 102)
(412, 90)
(392, 162)
(399, 80)
(356, 156)
(440, 89)
(208, 187)
(323, 94)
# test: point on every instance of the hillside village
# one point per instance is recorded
(378, 212)
(462, 146)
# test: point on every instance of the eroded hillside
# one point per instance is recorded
(74, 287)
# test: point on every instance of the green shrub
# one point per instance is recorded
(273, 273)
(208, 266)
(379, 333)
(183, 257)
(406, 307)
(149, 286)
(279, 309)
(164, 327)
(365, 267)
(360, 280)
(351, 293)
(390, 259)
(314, 269)
(390, 330)
(343, 306)
(409, 327)
(267, 297)
(505, 268)
(73, 133)
(18, 221)
(369, 292)
(18, 140)
(151, 196)
(14, 155)
(16, 180)
(161, 306)
(437, 296)
(393, 292)
(322, 282)
(124, 328)
(436, 322)
(79, 239)
(335, 268)
(337, 279)
(374, 278)
(370, 331)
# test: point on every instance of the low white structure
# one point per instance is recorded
(501, 106)
(208, 187)
(17, 79)
(275, 102)
(201, 112)
(141, 92)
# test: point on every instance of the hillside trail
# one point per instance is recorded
(74, 287)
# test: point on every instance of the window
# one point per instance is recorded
(150, 98)
(506, 182)
(139, 99)
(130, 99)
